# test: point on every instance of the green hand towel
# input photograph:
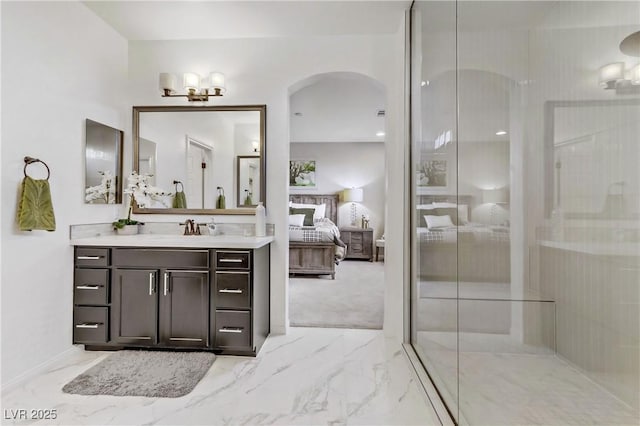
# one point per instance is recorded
(180, 200)
(220, 202)
(35, 210)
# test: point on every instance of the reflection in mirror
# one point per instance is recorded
(198, 146)
(103, 164)
(248, 180)
(147, 161)
(593, 152)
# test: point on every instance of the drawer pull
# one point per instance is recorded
(230, 290)
(230, 260)
(89, 325)
(231, 330)
(88, 287)
(150, 283)
(166, 283)
(89, 257)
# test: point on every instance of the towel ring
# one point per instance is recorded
(31, 160)
(176, 183)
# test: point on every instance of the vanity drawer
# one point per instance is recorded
(90, 324)
(233, 329)
(232, 289)
(91, 286)
(227, 259)
(88, 256)
(154, 258)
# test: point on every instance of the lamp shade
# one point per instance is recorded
(353, 195)
(167, 82)
(610, 73)
(191, 81)
(495, 196)
(216, 81)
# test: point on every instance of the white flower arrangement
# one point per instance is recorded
(142, 192)
(106, 191)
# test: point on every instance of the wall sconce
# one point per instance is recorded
(255, 145)
(197, 90)
(353, 195)
(612, 76)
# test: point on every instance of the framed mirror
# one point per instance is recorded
(591, 153)
(248, 181)
(196, 151)
(103, 163)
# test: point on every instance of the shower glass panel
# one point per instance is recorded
(434, 291)
(526, 209)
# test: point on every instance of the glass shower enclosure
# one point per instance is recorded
(525, 201)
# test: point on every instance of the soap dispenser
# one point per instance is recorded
(261, 225)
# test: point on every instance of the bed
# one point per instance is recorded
(311, 252)
(460, 249)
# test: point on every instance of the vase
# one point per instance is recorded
(127, 230)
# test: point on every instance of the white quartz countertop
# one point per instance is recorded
(183, 241)
(596, 249)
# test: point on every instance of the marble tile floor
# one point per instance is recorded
(501, 386)
(311, 376)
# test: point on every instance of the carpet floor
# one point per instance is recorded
(355, 299)
(143, 373)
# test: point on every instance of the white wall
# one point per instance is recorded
(262, 71)
(346, 165)
(60, 65)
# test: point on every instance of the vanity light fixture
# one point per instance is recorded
(198, 90)
(612, 76)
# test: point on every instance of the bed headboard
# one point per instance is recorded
(330, 200)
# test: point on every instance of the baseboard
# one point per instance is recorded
(41, 368)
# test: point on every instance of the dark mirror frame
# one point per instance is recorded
(179, 108)
(119, 143)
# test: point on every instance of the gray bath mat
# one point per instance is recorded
(143, 373)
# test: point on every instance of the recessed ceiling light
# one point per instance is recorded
(380, 133)
(501, 133)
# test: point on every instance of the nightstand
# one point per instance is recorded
(359, 243)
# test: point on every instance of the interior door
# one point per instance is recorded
(184, 308)
(134, 306)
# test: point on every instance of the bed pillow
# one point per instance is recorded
(438, 221)
(308, 215)
(320, 209)
(296, 219)
(452, 212)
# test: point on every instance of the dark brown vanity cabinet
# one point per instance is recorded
(158, 305)
(172, 298)
(240, 300)
(91, 280)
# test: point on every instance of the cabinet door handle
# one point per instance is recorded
(231, 329)
(88, 287)
(89, 257)
(230, 290)
(150, 283)
(89, 325)
(230, 260)
(166, 283)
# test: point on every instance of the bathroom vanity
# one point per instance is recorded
(177, 292)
